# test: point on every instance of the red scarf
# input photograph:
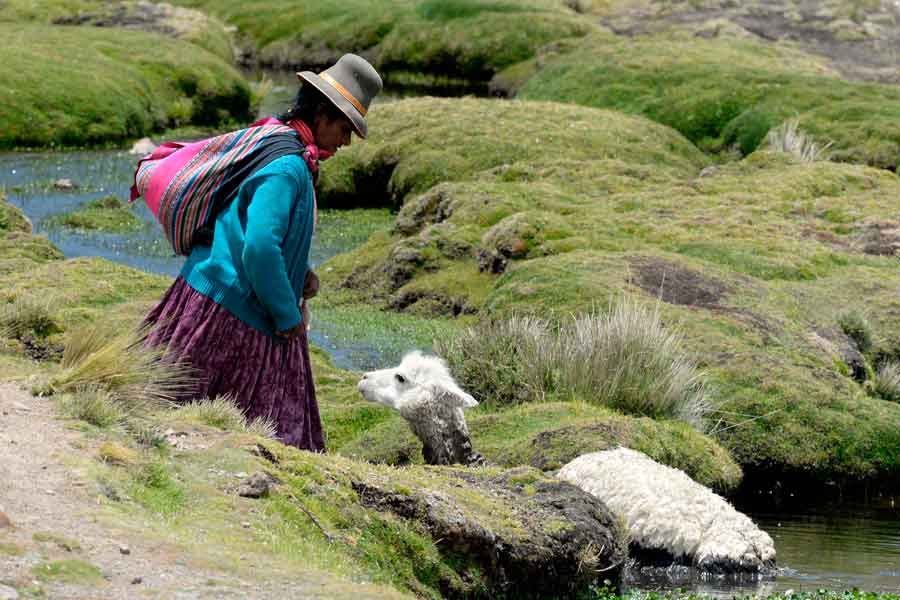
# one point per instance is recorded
(312, 157)
(315, 154)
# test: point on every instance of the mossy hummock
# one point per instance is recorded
(141, 83)
(468, 40)
(724, 93)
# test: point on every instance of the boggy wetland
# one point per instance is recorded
(728, 168)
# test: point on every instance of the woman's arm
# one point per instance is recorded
(268, 219)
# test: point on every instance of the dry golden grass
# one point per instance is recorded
(224, 413)
(139, 378)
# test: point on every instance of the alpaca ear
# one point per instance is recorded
(453, 395)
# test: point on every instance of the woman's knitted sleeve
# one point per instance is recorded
(268, 219)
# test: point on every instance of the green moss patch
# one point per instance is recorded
(64, 543)
(142, 82)
(107, 214)
(68, 571)
(415, 144)
(84, 290)
(182, 24)
(389, 517)
(468, 39)
(547, 436)
(11, 218)
(725, 92)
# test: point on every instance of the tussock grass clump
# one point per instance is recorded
(857, 327)
(116, 454)
(95, 406)
(28, 315)
(502, 362)
(624, 359)
(11, 218)
(887, 381)
(628, 360)
(224, 413)
(788, 138)
(136, 377)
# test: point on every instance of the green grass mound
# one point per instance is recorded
(548, 435)
(723, 93)
(179, 23)
(415, 144)
(107, 214)
(73, 571)
(139, 83)
(467, 39)
(754, 262)
(11, 218)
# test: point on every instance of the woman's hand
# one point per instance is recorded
(310, 285)
(294, 332)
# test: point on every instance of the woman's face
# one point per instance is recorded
(331, 134)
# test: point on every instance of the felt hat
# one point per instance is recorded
(351, 83)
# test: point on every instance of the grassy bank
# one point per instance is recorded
(468, 39)
(723, 93)
(754, 261)
(179, 23)
(135, 83)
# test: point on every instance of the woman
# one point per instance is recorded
(237, 312)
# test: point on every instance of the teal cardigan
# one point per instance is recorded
(257, 263)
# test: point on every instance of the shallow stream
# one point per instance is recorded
(835, 547)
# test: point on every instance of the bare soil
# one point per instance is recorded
(44, 491)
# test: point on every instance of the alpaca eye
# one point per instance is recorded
(400, 378)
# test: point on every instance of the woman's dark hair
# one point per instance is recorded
(308, 105)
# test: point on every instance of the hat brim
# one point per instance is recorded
(342, 104)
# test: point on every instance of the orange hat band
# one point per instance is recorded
(344, 92)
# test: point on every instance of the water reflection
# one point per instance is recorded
(837, 546)
(830, 546)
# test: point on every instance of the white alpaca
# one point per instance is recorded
(422, 390)
(663, 508)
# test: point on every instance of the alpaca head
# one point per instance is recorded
(418, 382)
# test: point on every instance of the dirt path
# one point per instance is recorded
(52, 509)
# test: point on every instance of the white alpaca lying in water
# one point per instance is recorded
(664, 509)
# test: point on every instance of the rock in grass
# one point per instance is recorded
(536, 537)
(143, 146)
(256, 485)
(65, 184)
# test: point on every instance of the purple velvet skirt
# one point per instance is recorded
(267, 378)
